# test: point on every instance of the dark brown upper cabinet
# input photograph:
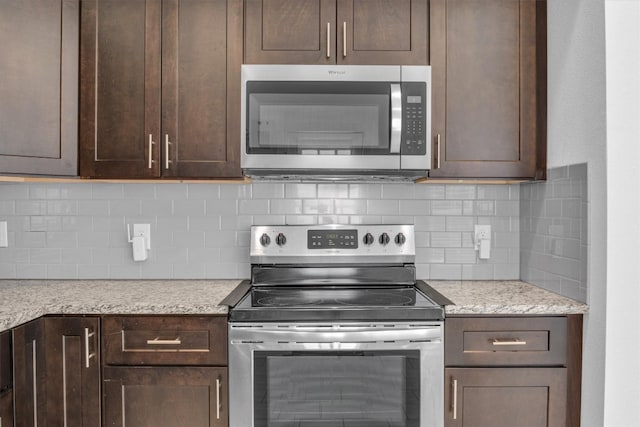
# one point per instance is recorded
(160, 88)
(488, 61)
(39, 86)
(336, 31)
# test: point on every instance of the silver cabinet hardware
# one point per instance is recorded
(151, 143)
(87, 352)
(166, 151)
(454, 405)
(328, 39)
(158, 341)
(35, 382)
(218, 386)
(344, 39)
(438, 151)
(509, 341)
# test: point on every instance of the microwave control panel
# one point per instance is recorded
(414, 121)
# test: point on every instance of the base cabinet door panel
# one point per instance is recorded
(57, 372)
(165, 396)
(6, 409)
(505, 397)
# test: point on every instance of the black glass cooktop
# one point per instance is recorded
(291, 303)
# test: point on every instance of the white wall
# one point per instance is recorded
(577, 134)
(622, 372)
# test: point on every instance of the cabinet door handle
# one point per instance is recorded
(454, 404)
(218, 386)
(34, 382)
(151, 143)
(87, 354)
(344, 39)
(167, 143)
(438, 151)
(328, 39)
(508, 341)
(158, 341)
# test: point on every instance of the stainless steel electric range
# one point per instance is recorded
(334, 330)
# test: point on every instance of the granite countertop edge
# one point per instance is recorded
(25, 300)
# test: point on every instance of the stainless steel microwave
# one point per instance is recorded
(336, 122)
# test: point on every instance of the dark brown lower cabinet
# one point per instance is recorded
(57, 372)
(505, 397)
(165, 396)
(6, 409)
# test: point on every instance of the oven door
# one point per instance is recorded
(285, 375)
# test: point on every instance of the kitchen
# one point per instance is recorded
(576, 121)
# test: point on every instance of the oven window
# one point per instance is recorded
(350, 389)
(311, 118)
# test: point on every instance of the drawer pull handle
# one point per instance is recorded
(510, 341)
(158, 341)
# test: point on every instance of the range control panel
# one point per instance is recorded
(331, 239)
(335, 243)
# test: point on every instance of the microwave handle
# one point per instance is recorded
(396, 118)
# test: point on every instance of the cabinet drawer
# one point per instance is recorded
(509, 341)
(166, 340)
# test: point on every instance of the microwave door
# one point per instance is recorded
(396, 118)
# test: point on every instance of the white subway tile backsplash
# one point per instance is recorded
(383, 207)
(461, 192)
(446, 207)
(300, 191)
(333, 191)
(201, 230)
(31, 271)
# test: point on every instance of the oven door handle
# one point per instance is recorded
(396, 118)
(350, 335)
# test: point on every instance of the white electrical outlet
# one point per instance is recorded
(482, 232)
(4, 236)
(482, 241)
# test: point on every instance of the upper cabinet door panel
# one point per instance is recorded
(39, 86)
(488, 61)
(120, 104)
(201, 60)
(383, 32)
(482, 72)
(290, 31)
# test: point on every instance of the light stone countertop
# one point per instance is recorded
(504, 297)
(25, 300)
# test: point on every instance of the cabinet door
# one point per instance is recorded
(6, 409)
(488, 61)
(382, 32)
(290, 32)
(201, 57)
(39, 86)
(505, 397)
(73, 371)
(120, 88)
(165, 396)
(6, 371)
(29, 375)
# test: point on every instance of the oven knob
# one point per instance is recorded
(281, 240)
(265, 240)
(384, 239)
(368, 239)
(400, 239)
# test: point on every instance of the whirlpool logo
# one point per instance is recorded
(334, 73)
